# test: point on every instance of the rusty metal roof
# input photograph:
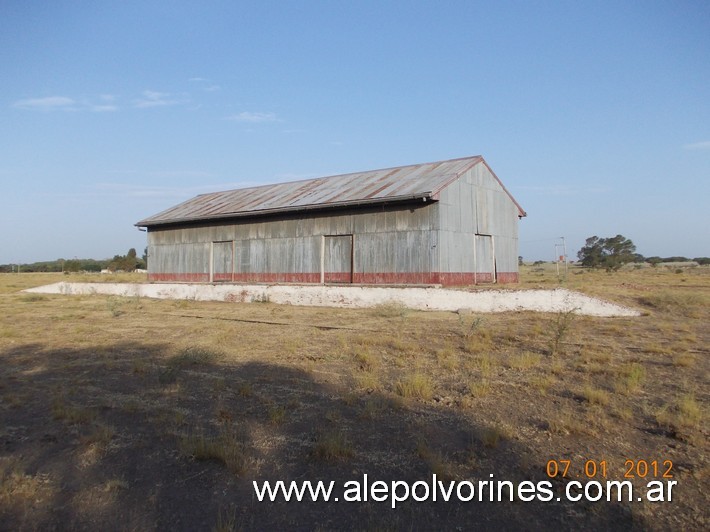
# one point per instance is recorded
(404, 183)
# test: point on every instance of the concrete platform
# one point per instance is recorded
(557, 300)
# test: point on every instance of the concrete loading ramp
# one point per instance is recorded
(418, 298)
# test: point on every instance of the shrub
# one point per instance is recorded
(193, 356)
(417, 385)
(332, 446)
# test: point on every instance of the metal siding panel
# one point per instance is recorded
(342, 225)
(390, 221)
(285, 228)
(458, 251)
(321, 226)
(306, 254)
(242, 256)
(242, 231)
(430, 217)
(403, 220)
(257, 250)
(465, 208)
(506, 254)
(419, 251)
(305, 227)
(366, 223)
(483, 214)
(372, 253)
(222, 233)
(466, 252)
(365, 252)
(454, 218)
(444, 251)
(382, 223)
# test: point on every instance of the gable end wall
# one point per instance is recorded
(479, 225)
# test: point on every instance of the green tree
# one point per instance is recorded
(591, 253)
(72, 266)
(127, 262)
(610, 253)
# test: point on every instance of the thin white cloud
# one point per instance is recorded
(134, 191)
(103, 108)
(46, 104)
(253, 118)
(158, 99)
(167, 192)
(563, 190)
(63, 103)
(207, 84)
(171, 174)
(705, 145)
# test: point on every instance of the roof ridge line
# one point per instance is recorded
(310, 179)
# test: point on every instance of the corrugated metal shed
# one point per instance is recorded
(391, 185)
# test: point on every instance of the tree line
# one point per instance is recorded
(127, 263)
(613, 252)
(609, 253)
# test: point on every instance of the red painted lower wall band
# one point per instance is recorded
(443, 278)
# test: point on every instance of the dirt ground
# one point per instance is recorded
(139, 414)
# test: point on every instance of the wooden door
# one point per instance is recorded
(222, 261)
(485, 267)
(338, 259)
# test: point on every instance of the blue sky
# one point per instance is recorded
(596, 115)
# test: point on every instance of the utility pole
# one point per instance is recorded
(561, 258)
(564, 254)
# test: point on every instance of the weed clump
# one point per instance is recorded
(390, 309)
(75, 415)
(559, 330)
(193, 356)
(332, 446)
(631, 378)
(525, 360)
(365, 360)
(32, 298)
(596, 395)
(229, 447)
(492, 435)
(480, 388)
(277, 414)
(416, 385)
(113, 304)
(436, 462)
(682, 417)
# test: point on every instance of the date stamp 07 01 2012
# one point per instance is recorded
(592, 469)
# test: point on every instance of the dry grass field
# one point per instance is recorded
(136, 414)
